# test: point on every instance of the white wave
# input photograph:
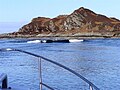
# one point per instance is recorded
(34, 41)
(76, 40)
(44, 41)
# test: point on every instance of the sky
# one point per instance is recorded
(25, 10)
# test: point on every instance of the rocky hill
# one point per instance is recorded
(82, 22)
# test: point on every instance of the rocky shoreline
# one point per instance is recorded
(79, 36)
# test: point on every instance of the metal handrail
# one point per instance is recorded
(91, 85)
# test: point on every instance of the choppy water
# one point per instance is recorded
(97, 60)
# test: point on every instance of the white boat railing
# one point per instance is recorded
(40, 58)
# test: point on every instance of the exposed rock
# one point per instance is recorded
(81, 22)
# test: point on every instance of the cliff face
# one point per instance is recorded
(81, 22)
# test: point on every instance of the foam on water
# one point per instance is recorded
(76, 40)
(34, 41)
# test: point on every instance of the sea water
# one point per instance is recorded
(97, 60)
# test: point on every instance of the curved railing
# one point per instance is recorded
(91, 85)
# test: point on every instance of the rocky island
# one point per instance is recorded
(81, 23)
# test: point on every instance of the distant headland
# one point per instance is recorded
(81, 23)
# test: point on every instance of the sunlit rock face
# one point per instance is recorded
(81, 22)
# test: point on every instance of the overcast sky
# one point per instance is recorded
(24, 10)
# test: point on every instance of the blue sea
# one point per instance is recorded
(98, 60)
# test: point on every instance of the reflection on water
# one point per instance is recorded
(97, 60)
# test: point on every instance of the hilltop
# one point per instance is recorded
(82, 22)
